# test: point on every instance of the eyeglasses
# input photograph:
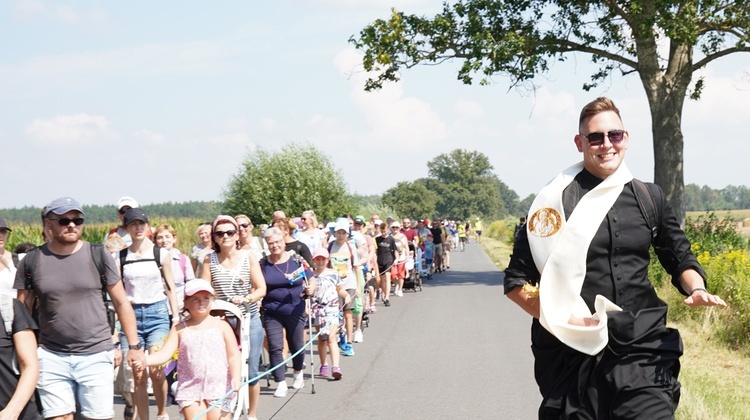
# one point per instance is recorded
(229, 233)
(244, 225)
(64, 221)
(597, 139)
(303, 218)
(122, 210)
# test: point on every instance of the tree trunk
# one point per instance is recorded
(666, 91)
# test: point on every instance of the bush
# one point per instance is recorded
(502, 230)
(713, 235)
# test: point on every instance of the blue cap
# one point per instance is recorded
(62, 205)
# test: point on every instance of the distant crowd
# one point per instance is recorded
(136, 316)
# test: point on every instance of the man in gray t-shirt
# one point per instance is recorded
(77, 351)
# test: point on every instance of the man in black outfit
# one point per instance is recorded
(599, 335)
(437, 236)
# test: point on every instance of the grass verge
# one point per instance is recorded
(715, 379)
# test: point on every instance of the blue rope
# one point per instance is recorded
(219, 402)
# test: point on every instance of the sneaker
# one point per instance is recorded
(164, 417)
(281, 390)
(299, 380)
(373, 309)
(387, 302)
(337, 373)
(348, 350)
(358, 337)
(342, 341)
(324, 371)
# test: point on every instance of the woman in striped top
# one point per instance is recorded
(238, 279)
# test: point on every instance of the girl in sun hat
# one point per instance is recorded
(208, 362)
(326, 310)
(237, 278)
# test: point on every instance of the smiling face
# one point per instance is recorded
(164, 239)
(602, 160)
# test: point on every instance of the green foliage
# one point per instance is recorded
(411, 199)
(502, 230)
(723, 253)
(466, 186)
(205, 210)
(521, 39)
(185, 228)
(294, 179)
(713, 235)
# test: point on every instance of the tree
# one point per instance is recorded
(294, 179)
(465, 185)
(520, 39)
(411, 199)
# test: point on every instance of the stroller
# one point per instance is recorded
(413, 280)
(241, 326)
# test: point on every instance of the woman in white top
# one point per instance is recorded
(7, 268)
(310, 234)
(237, 278)
(200, 250)
(182, 271)
(149, 294)
(247, 240)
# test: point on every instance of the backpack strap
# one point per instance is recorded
(183, 263)
(15, 258)
(157, 260)
(28, 268)
(647, 205)
(7, 312)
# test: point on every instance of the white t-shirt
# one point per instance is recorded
(142, 278)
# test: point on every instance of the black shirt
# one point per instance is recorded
(618, 256)
(8, 379)
(437, 235)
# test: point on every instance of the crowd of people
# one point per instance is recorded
(136, 316)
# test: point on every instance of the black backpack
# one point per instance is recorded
(97, 254)
(157, 260)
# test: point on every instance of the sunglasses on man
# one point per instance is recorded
(597, 139)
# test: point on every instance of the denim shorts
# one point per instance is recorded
(256, 343)
(153, 323)
(87, 378)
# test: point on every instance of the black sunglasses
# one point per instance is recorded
(244, 225)
(122, 210)
(597, 139)
(220, 233)
(64, 221)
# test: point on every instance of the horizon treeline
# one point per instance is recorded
(696, 199)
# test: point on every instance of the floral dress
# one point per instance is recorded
(202, 367)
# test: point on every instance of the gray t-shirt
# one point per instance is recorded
(72, 316)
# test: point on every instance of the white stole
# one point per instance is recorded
(559, 248)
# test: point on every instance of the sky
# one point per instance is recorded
(163, 100)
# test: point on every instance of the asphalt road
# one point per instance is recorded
(456, 350)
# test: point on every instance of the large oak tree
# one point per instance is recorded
(664, 42)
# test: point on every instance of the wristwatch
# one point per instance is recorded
(135, 347)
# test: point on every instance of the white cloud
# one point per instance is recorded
(231, 139)
(149, 136)
(394, 119)
(69, 129)
(268, 124)
(469, 109)
(53, 11)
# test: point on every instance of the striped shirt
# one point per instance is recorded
(231, 282)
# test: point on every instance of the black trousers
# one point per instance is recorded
(634, 377)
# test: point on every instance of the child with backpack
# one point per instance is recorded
(209, 362)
